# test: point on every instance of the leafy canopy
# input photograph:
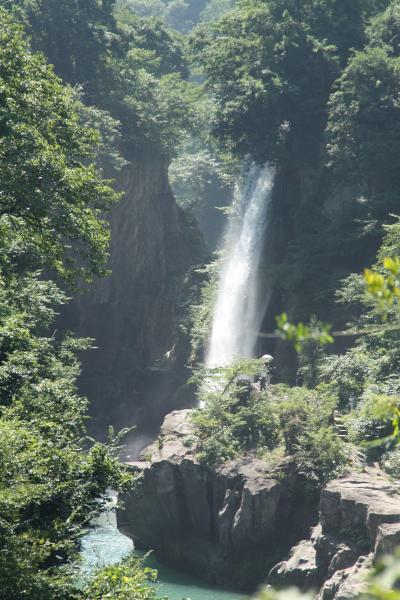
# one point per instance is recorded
(271, 66)
(52, 195)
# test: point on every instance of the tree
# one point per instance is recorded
(75, 35)
(271, 66)
(52, 195)
(364, 128)
(125, 65)
(53, 479)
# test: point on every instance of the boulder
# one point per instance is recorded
(228, 524)
(231, 524)
(300, 570)
(387, 539)
(358, 504)
(359, 522)
(347, 584)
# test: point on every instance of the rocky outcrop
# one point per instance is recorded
(228, 524)
(133, 314)
(359, 522)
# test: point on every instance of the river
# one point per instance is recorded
(105, 545)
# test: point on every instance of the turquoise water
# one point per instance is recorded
(105, 545)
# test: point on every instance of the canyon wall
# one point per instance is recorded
(135, 314)
(228, 525)
(232, 524)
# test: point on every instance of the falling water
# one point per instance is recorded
(239, 307)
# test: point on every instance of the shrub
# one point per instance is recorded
(320, 455)
(129, 580)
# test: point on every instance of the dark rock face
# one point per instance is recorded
(133, 314)
(359, 522)
(228, 525)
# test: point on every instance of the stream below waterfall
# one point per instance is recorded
(105, 545)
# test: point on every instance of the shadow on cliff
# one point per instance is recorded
(137, 373)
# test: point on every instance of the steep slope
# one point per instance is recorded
(134, 313)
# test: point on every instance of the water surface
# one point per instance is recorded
(105, 545)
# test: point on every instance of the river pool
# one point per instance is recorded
(105, 545)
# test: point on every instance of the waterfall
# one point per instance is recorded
(239, 307)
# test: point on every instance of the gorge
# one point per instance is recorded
(199, 299)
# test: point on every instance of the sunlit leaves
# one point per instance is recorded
(384, 286)
(130, 580)
(298, 334)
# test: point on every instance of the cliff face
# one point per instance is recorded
(134, 313)
(232, 523)
(228, 525)
(359, 522)
(314, 240)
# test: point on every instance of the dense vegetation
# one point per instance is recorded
(240, 417)
(311, 86)
(52, 478)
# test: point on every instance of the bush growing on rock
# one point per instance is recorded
(239, 416)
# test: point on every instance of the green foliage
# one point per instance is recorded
(375, 421)
(77, 37)
(198, 160)
(385, 288)
(309, 342)
(50, 197)
(363, 127)
(201, 313)
(390, 462)
(271, 65)
(320, 455)
(130, 580)
(236, 418)
(301, 334)
(214, 9)
(349, 374)
(383, 583)
(145, 87)
(130, 68)
(306, 422)
(53, 479)
(106, 151)
(181, 15)
(239, 416)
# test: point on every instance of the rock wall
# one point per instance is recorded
(133, 315)
(359, 522)
(232, 523)
(228, 525)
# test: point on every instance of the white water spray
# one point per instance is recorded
(239, 309)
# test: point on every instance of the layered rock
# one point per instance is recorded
(228, 524)
(359, 522)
